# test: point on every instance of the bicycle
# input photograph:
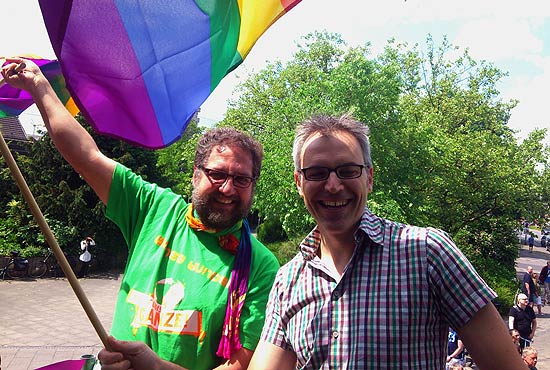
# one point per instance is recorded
(18, 267)
(49, 263)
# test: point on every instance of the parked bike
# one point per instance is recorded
(48, 264)
(18, 267)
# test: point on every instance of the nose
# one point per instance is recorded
(227, 187)
(333, 184)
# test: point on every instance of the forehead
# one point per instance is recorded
(331, 149)
(225, 157)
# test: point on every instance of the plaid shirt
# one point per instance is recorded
(391, 309)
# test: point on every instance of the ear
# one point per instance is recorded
(195, 178)
(298, 181)
(370, 173)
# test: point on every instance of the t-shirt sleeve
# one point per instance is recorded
(459, 288)
(273, 331)
(130, 199)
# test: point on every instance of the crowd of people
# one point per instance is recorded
(200, 292)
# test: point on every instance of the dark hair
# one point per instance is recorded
(325, 125)
(232, 138)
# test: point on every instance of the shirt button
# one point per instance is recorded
(335, 334)
(335, 295)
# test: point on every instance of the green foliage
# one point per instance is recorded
(175, 162)
(284, 251)
(71, 208)
(271, 231)
(443, 153)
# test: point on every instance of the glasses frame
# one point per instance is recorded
(336, 169)
(208, 172)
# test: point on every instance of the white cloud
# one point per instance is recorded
(499, 38)
(532, 92)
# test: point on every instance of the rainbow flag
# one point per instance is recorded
(140, 69)
(65, 365)
(14, 101)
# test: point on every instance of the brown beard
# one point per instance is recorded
(215, 219)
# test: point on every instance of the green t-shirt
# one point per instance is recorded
(173, 295)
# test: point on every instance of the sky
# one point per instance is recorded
(513, 35)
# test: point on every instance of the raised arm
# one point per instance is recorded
(71, 139)
(486, 338)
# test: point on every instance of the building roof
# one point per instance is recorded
(12, 129)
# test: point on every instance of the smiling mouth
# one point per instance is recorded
(334, 204)
(224, 200)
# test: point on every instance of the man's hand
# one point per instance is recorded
(128, 355)
(132, 355)
(27, 78)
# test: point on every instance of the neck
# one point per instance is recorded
(336, 251)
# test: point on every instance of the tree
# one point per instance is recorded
(175, 162)
(323, 77)
(71, 208)
(442, 151)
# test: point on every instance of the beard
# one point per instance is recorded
(205, 206)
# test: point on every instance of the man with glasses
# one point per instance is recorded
(196, 281)
(522, 318)
(365, 292)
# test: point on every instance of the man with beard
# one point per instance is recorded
(196, 282)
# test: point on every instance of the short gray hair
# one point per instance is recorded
(326, 125)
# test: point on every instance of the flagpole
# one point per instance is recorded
(52, 242)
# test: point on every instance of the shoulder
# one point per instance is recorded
(291, 273)
(127, 183)
(391, 233)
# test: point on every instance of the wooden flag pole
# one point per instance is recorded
(52, 242)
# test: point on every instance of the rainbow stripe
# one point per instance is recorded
(140, 69)
(14, 101)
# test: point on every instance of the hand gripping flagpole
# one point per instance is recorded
(52, 242)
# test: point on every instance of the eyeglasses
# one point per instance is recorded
(344, 172)
(220, 177)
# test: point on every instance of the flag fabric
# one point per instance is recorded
(139, 70)
(14, 101)
(65, 365)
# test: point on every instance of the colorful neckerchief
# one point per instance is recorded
(238, 284)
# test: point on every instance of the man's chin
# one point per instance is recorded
(219, 221)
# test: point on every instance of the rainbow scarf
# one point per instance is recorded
(140, 69)
(238, 284)
(14, 101)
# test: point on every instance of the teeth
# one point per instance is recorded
(335, 204)
(225, 201)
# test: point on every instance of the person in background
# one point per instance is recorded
(544, 278)
(337, 303)
(196, 282)
(85, 257)
(455, 350)
(530, 357)
(522, 318)
(528, 287)
(537, 301)
(514, 334)
(531, 242)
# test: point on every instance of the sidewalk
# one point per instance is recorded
(42, 322)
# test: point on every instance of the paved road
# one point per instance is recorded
(41, 321)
